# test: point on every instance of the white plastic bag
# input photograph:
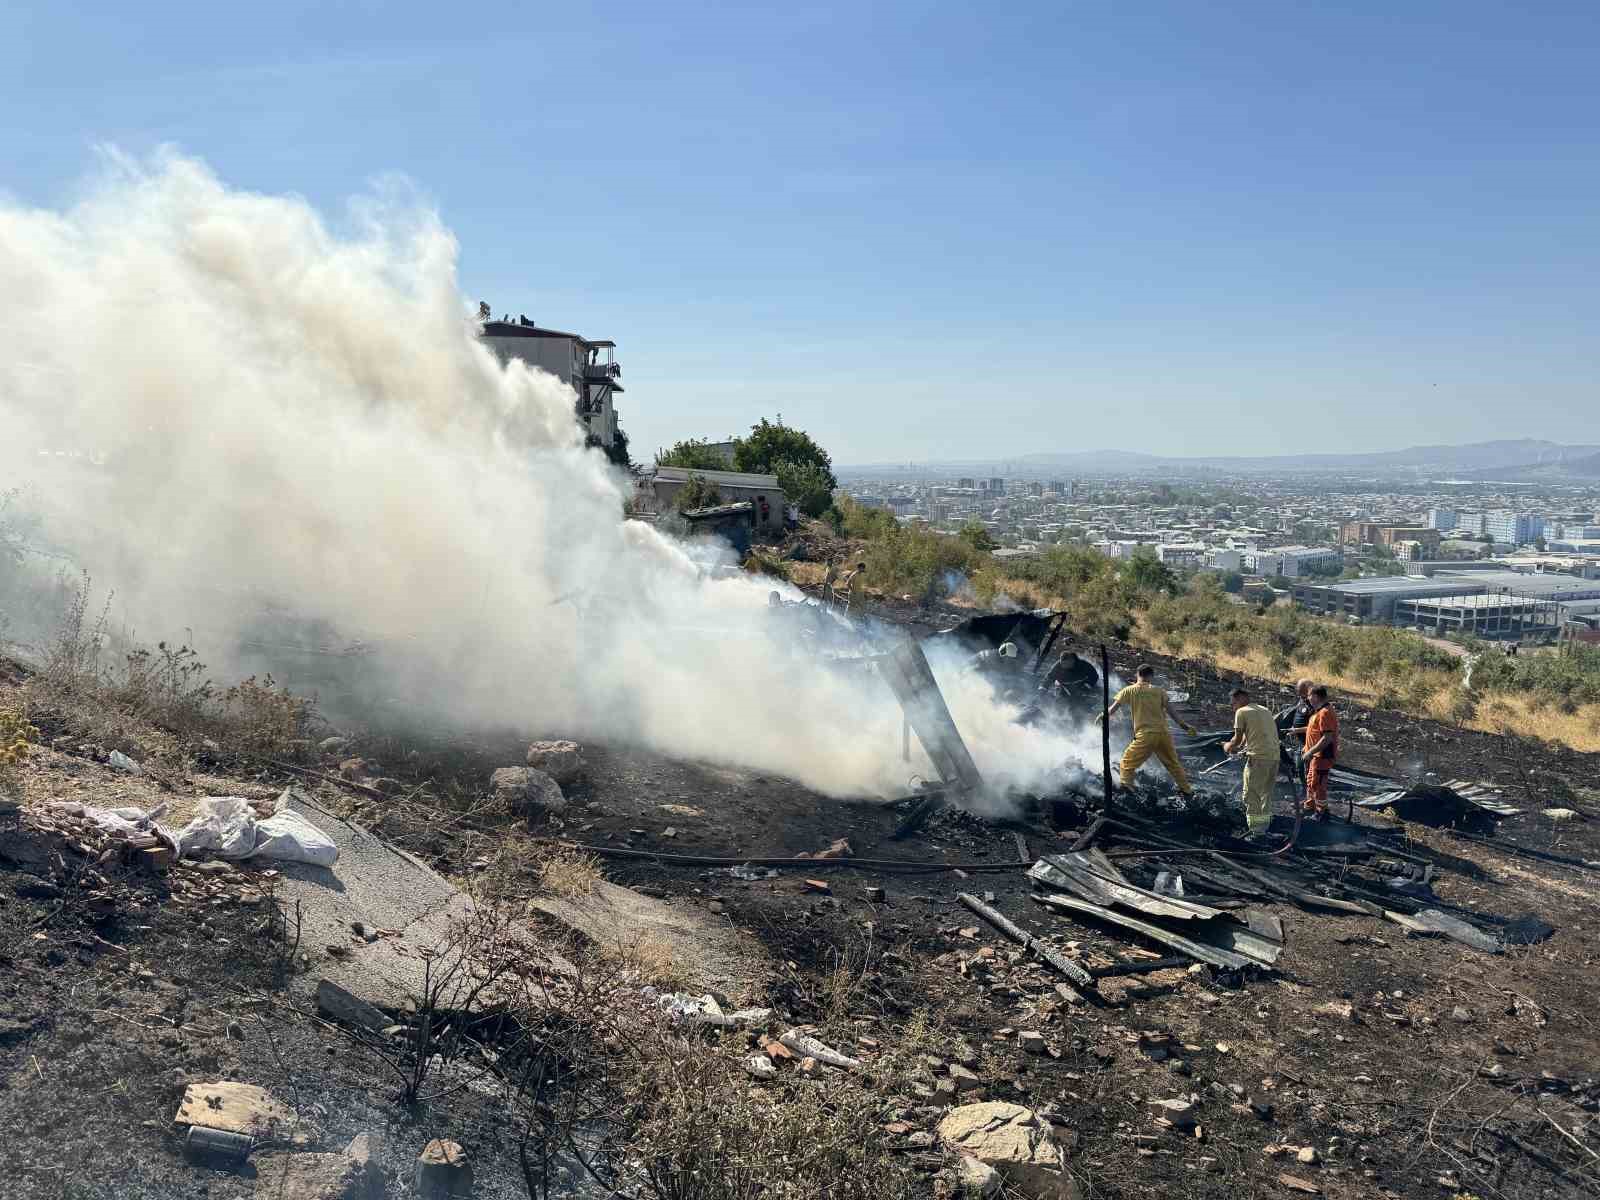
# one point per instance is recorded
(288, 836)
(227, 826)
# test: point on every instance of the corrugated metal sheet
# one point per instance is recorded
(1091, 876)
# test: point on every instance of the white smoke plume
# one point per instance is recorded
(293, 428)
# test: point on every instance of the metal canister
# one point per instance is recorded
(219, 1146)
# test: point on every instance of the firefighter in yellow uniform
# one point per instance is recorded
(1256, 733)
(1147, 705)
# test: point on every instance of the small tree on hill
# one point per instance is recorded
(975, 535)
(1147, 573)
(694, 454)
(804, 469)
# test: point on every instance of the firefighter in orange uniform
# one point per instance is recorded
(1321, 751)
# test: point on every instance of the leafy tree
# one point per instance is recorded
(698, 492)
(695, 454)
(975, 535)
(1233, 582)
(808, 486)
(804, 469)
(1147, 573)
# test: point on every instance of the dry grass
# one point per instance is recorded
(807, 574)
(649, 959)
(705, 1134)
(1434, 693)
(147, 700)
(569, 873)
(1579, 729)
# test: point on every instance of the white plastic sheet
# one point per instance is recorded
(127, 822)
(229, 828)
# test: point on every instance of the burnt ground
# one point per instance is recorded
(1453, 1072)
(1451, 1065)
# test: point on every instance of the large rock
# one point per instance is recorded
(527, 792)
(562, 761)
(316, 1177)
(1016, 1142)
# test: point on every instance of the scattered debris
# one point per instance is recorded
(759, 1065)
(1432, 921)
(1049, 954)
(747, 873)
(838, 848)
(1442, 805)
(123, 763)
(804, 1044)
(1295, 1184)
(237, 1108)
(1178, 1112)
(217, 1146)
(704, 1010)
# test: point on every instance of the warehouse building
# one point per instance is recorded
(1373, 600)
(1394, 599)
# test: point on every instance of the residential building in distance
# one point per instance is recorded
(1290, 561)
(997, 486)
(1517, 529)
(1442, 519)
(589, 368)
(1373, 533)
(1181, 556)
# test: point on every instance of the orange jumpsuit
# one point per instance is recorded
(1324, 722)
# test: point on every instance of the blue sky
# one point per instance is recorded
(927, 230)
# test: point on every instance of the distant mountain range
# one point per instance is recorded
(1528, 459)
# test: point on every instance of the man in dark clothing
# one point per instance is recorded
(1292, 722)
(1073, 676)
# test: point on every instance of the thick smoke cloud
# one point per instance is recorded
(295, 429)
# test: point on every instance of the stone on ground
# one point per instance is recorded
(978, 1180)
(1016, 1142)
(336, 1003)
(527, 792)
(443, 1171)
(562, 761)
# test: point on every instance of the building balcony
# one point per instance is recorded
(602, 372)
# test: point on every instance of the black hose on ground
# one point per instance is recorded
(799, 864)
